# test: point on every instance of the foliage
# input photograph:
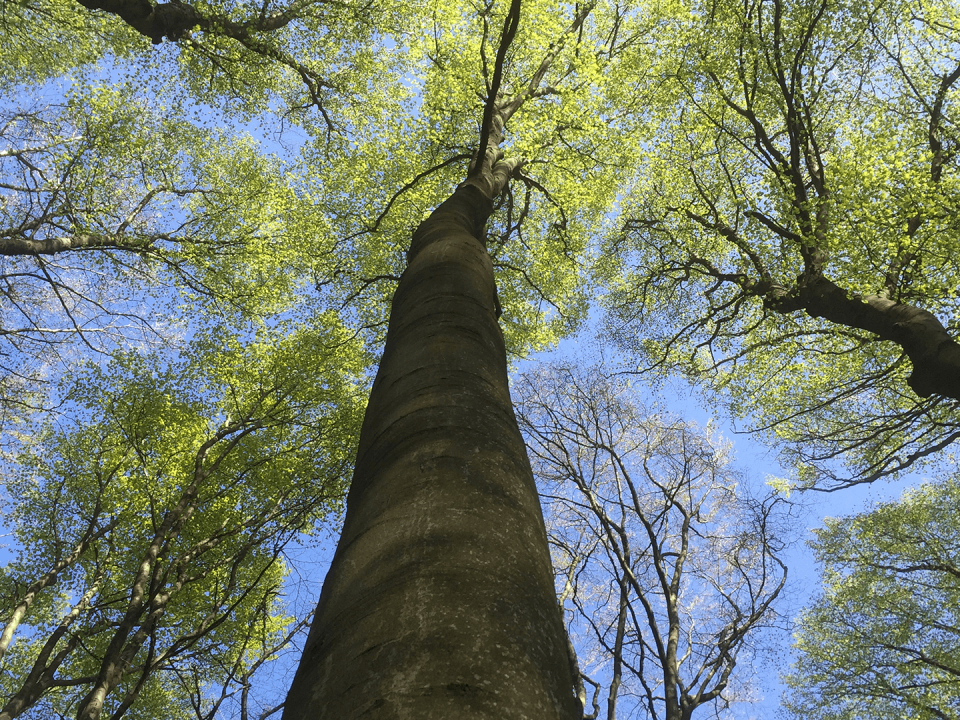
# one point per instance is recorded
(794, 221)
(151, 524)
(145, 187)
(162, 300)
(426, 137)
(282, 156)
(204, 211)
(670, 567)
(883, 641)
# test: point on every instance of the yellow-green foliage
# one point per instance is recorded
(855, 86)
(201, 469)
(883, 640)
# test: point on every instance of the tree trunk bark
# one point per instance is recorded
(440, 601)
(171, 19)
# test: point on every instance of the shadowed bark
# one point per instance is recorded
(153, 21)
(174, 20)
(934, 354)
(440, 600)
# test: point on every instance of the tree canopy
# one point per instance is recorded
(151, 525)
(790, 233)
(883, 639)
(205, 210)
(775, 180)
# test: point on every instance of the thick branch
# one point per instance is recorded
(10, 246)
(489, 129)
(175, 19)
(170, 20)
(934, 354)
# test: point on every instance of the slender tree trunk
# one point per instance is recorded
(440, 601)
(618, 650)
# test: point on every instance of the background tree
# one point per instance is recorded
(151, 527)
(146, 187)
(670, 567)
(883, 639)
(792, 232)
(104, 242)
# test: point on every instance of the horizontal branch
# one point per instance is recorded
(175, 20)
(170, 20)
(11, 246)
(934, 354)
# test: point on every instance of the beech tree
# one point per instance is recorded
(791, 234)
(135, 198)
(669, 566)
(426, 610)
(882, 641)
(383, 110)
(537, 239)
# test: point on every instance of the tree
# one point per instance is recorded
(151, 528)
(102, 240)
(538, 237)
(671, 568)
(126, 211)
(393, 106)
(129, 227)
(882, 641)
(791, 235)
(425, 611)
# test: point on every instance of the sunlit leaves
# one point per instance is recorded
(883, 639)
(788, 141)
(427, 131)
(179, 485)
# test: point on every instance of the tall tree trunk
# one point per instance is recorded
(440, 600)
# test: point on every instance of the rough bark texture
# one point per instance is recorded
(440, 600)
